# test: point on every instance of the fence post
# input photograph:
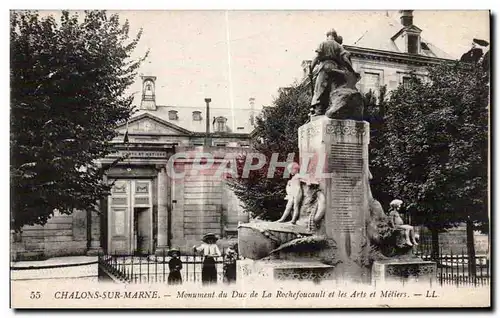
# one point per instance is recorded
(163, 265)
(156, 268)
(140, 269)
(147, 262)
(471, 250)
(463, 266)
(132, 269)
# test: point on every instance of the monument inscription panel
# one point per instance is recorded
(346, 161)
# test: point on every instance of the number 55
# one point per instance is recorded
(35, 295)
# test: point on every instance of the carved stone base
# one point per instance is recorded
(261, 271)
(345, 103)
(94, 251)
(403, 270)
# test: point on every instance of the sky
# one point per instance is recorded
(230, 56)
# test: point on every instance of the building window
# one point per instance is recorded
(240, 128)
(220, 144)
(172, 115)
(220, 124)
(413, 43)
(197, 116)
(406, 82)
(372, 82)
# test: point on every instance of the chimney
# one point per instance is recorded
(406, 17)
(207, 136)
(251, 100)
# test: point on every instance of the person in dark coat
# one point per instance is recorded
(230, 264)
(174, 266)
(210, 252)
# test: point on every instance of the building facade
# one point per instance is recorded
(168, 190)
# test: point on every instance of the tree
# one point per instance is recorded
(437, 147)
(68, 84)
(276, 131)
(375, 109)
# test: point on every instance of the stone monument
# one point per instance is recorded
(338, 231)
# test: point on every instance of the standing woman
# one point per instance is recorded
(174, 266)
(210, 251)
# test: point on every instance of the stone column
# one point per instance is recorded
(163, 198)
(94, 223)
(338, 157)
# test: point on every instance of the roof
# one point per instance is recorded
(381, 36)
(241, 124)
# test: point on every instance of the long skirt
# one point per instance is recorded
(174, 278)
(208, 271)
(230, 272)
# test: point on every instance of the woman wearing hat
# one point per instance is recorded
(174, 266)
(210, 251)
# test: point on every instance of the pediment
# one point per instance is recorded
(148, 124)
(410, 29)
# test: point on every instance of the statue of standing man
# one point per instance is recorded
(334, 75)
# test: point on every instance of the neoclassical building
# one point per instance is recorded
(149, 208)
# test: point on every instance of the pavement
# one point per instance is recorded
(54, 262)
(68, 267)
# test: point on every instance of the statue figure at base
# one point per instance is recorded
(305, 199)
(397, 222)
(335, 94)
(293, 194)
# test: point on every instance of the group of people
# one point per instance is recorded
(210, 252)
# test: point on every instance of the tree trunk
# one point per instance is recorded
(471, 250)
(434, 243)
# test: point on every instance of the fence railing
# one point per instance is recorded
(155, 268)
(453, 268)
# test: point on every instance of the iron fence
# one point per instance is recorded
(453, 268)
(154, 268)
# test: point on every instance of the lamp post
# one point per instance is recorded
(207, 121)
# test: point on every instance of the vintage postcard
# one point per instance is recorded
(250, 159)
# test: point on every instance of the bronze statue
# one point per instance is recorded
(334, 87)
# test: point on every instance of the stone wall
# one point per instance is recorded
(202, 203)
(62, 235)
(455, 240)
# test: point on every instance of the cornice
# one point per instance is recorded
(402, 58)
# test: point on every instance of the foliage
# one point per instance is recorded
(68, 84)
(375, 109)
(275, 132)
(437, 146)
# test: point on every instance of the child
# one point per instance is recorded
(397, 222)
(210, 251)
(174, 266)
(230, 264)
(293, 194)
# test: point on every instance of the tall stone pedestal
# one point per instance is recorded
(336, 153)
